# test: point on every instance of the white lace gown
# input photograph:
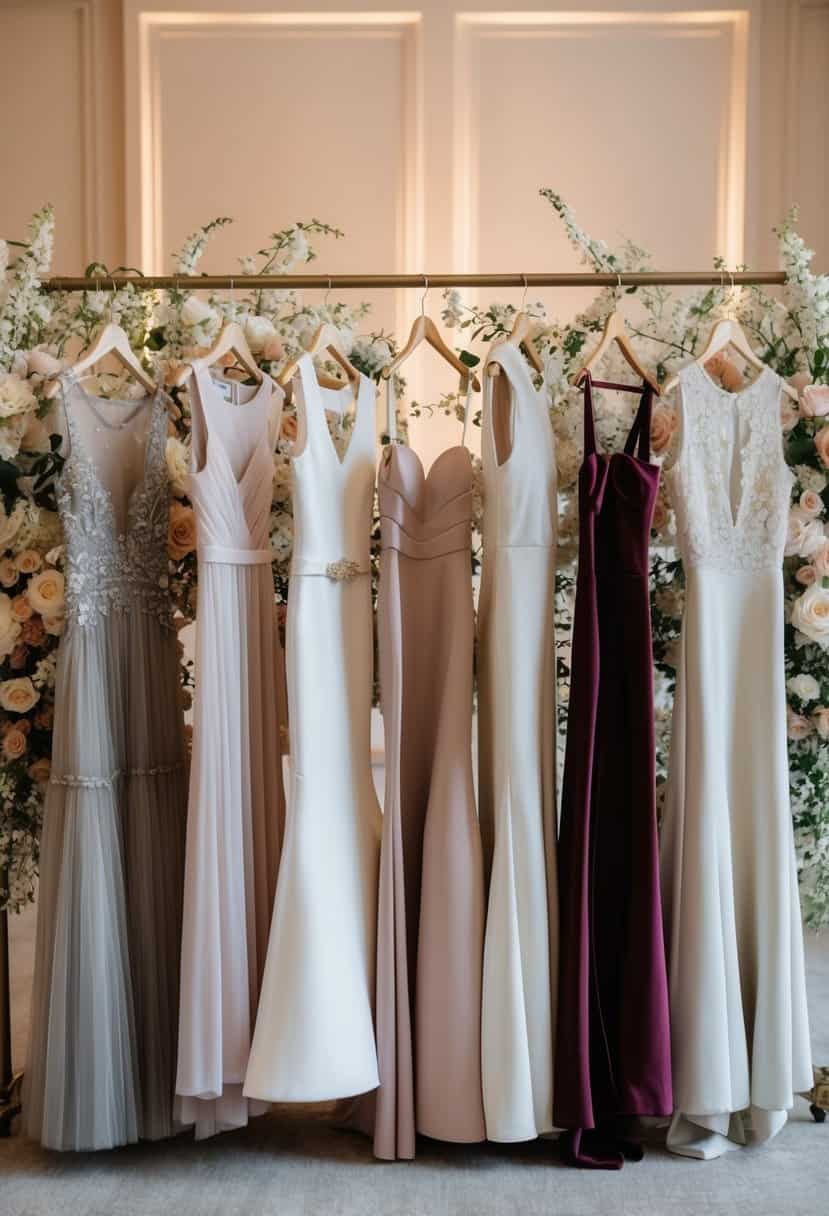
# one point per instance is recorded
(235, 816)
(101, 1059)
(740, 1035)
(516, 753)
(314, 1036)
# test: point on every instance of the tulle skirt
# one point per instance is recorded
(101, 1061)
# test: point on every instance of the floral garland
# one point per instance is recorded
(40, 333)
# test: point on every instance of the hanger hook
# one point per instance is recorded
(112, 297)
(524, 296)
(619, 281)
(327, 293)
(425, 294)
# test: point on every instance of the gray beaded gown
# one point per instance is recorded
(101, 1064)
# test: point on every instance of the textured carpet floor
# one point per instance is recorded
(296, 1164)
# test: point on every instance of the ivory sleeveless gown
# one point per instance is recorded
(236, 810)
(431, 907)
(314, 1037)
(103, 1024)
(740, 1032)
(516, 750)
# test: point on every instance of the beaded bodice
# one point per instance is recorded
(109, 567)
(730, 483)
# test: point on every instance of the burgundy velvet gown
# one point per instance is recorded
(613, 1041)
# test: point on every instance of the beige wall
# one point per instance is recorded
(424, 132)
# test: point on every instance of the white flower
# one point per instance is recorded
(196, 312)
(11, 436)
(804, 687)
(257, 331)
(4, 257)
(810, 479)
(453, 309)
(298, 247)
(9, 627)
(178, 465)
(804, 536)
(282, 540)
(810, 614)
(16, 397)
(10, 524)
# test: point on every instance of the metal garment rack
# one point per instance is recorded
(10, 1083)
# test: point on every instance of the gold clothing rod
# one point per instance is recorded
(372, 282)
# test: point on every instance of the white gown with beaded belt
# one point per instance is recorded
(314, 1036)
(101, 1058)
(739, 1028)
(236, 811)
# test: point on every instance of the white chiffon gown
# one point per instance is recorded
(236, 809)
(740, 1034)
(516, 750)
(102, 1047)
(314, 1036)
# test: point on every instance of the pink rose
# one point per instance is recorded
(820, 717)
(805, 575)
(799, 381)
(660, 515)
(40, 770)
(820, 558)
(811, 503)
(273, 348)
(663, 425)
(814, 401)
(797, 727)
(822, 445)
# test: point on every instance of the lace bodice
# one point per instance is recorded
(730, 483)
(111, 568)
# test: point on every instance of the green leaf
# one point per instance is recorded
(468, 359)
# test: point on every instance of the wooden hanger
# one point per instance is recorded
(112, 340)
(729, 332)
(231, 340)
(614, 331)
(425, 330)
(327, 339)
(521, 337)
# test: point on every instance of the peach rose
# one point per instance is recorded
(28, 561)
(46, 592)
(805, 575)
(822, 446)
(18, 696)
(660, 515)
(40, 771)
(797, 726)
(181, 535)
(811, 503)
(14, 744)
(9, 574)
(19, 657)
(814, 401)
(731, 378)
(33, 632)
(820, 717)
(44, 717)
(663, 425)
(289, 428)
(53, 625)
(21, 608)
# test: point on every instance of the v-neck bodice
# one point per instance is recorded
(231, 482)
(115, 524)
(731, 485)
(333, 493)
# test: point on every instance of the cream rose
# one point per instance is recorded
(805, 575)
(196, 312)
(811, 503)
(820, 558)
(9, 627)
(810, 614)
(814, 401)
(46, 592)
(41, 363)
(663, 425)
(18, 696)
(258, 331)
(181, 535)
(797, 727)
(40, 770)
(804, 687)
(820, 717)
(14, 744)
(16, 397)
(178, 465)
(28, 561)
